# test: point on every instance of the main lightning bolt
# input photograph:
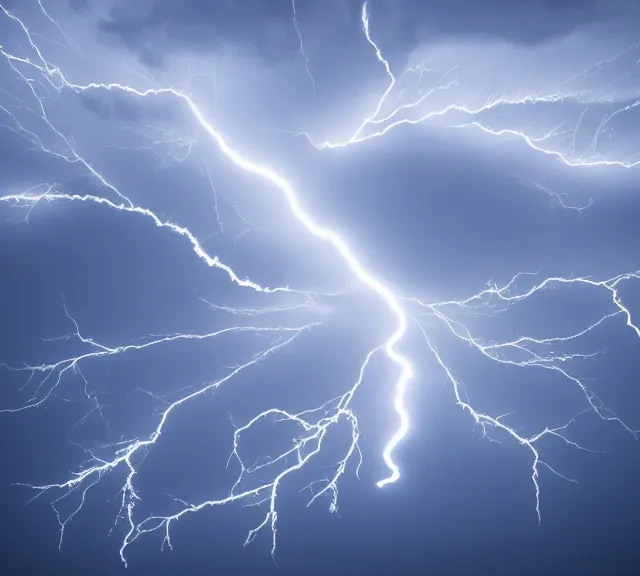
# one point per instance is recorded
(258, 483)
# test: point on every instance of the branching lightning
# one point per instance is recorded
(43, 80)
(469, 110)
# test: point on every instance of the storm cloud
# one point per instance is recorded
(264, 28)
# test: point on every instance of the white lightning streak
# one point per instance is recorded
(50, 195)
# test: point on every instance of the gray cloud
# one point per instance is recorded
(79, 5)
(264, 28)
(130, 109)
(96, 105)
(519, 21)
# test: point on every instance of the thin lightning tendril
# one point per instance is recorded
(307, 62)
(313, 425)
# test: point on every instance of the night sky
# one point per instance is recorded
(450, 147)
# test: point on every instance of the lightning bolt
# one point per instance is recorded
(258, 484)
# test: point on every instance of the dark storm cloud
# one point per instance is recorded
(79, 5)
(519, 21)
(127, 111)
(96, 105)
(264, 27)
(130, 110)
(261, 28)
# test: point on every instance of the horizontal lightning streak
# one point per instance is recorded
(50, 195)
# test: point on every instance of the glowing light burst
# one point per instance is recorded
(43, 79)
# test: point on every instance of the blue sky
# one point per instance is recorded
(446, 149)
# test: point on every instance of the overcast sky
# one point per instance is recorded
(167, 170)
